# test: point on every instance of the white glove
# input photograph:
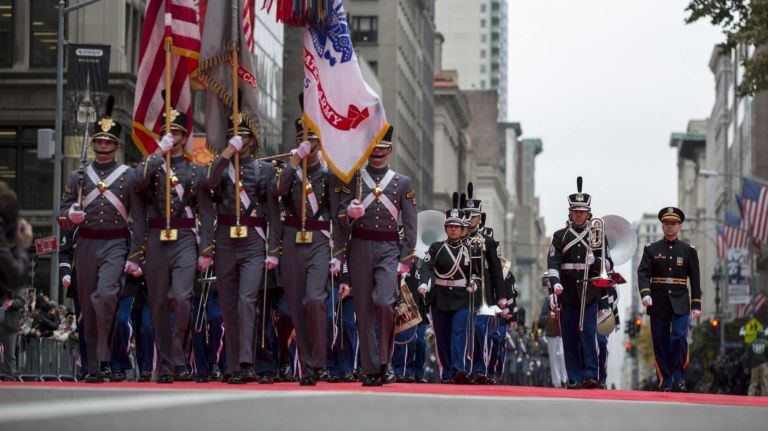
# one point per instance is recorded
(502, 303)
(236, 142)
(647, 301)
(590, 259)
(66, 281)
(403, 268)
(355, 209)
(302, 150)
(696, 314)
(344, 291)
(76, 215)
(132, 268)
(272, 262)
(472, 287)
(335, 266)
(203, 262)
(166, 143)
(423, 289)
(558, 288)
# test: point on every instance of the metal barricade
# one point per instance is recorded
(46, 359)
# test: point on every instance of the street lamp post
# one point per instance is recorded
(718, 276)
(59, 135)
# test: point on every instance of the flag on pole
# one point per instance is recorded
(339, 106)
(721, 244)
(755, 209)
(174, 20)
(215, 72)
(248, 23)
(733, 232)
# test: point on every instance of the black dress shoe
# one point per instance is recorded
(93, 378)
(573, 385)
(104, 373)
(165, 378)
(589, 383)
(214, 372)
(410, 379)
(347, 377)
(145, 376)
(247, 374)
(460, 378)
(373, 380)
(119, 376)
(182, 374)
(202, 379)
(235, 380)
(421, 380)
(679, 386)
(308, 380)
(492, 380)
(603, 385)
(480, 379)
(267, 379)
(387, 374)
(446, 381)
(322, 375)
(334, 379)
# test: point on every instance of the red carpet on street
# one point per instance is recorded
(433, 389)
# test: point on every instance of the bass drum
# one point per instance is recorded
(406, 310)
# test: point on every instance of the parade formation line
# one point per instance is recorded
(427, 389)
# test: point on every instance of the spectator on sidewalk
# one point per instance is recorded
(756, 360)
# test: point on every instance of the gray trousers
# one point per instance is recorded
(239, 269)
(373, 277)
(305, 272)
(8, 341)
(99, 270)
(170, 275)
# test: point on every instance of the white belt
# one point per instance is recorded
(581, 266)
(451, 283)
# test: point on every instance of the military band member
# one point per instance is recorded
(445, 280)
(307, 264)
(569, 255)
(240, 249)
(377, 258)
(508, 315)
(102, 240)
(667, 266)
(172, 259)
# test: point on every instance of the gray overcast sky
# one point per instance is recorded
(604, 83)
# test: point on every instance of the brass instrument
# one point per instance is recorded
(429, 229)
(407, 313)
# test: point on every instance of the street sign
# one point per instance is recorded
(46, 245)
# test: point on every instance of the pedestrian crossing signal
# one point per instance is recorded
(715, 323)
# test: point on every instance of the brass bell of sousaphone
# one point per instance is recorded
(430, 228)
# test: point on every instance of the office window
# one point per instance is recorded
(482, 68)
(19, 167)
(482, 53)
(483, 38)
(482, 7)
(44, 30)
(482, 84)
(6, 33)
(365, 28)
(482, 23)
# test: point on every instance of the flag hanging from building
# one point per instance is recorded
(755, 209)
(733, 232)
(339, 106)
(755, 306)
(174, 20)
(216, 71)
(721, 244)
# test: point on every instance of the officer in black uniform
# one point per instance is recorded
(663, 275)
(569, 256)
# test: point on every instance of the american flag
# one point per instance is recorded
(755, 306)
(176, 20)
(248, 22)
(755, 209)
(735, 236)
(722, 249)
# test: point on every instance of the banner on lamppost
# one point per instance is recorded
(739, 276)
(86, 91)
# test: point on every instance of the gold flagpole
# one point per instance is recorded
(168, 234)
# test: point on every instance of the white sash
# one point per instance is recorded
(384, 199)
(245, 200)
(579, 239)
(180, 193)
(114, 200)
(314, 206)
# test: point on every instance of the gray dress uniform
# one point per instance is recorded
(170, 266)
(240, 261)
(102, 247)
(374, 252)
(306, 266)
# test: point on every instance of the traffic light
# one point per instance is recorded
(638, 325)
(715, 323)
(629, 328)
(630, 348)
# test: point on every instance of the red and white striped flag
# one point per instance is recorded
(755, 209)
(248, 23)
(176, 20)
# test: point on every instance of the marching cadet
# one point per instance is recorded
(508, 315)
(99, 201)
(207, 333)
(377, 257)
(240, 248)
(570, 257)
(409, 357)
(445, 277)
(171, 251)
(664, 272)
(493, 289)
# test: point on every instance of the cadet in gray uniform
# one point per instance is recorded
(377, 258)
(172, 257)
(102, 240)
(240, 260)
(307, 263)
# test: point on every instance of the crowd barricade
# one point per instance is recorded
(46, 359)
